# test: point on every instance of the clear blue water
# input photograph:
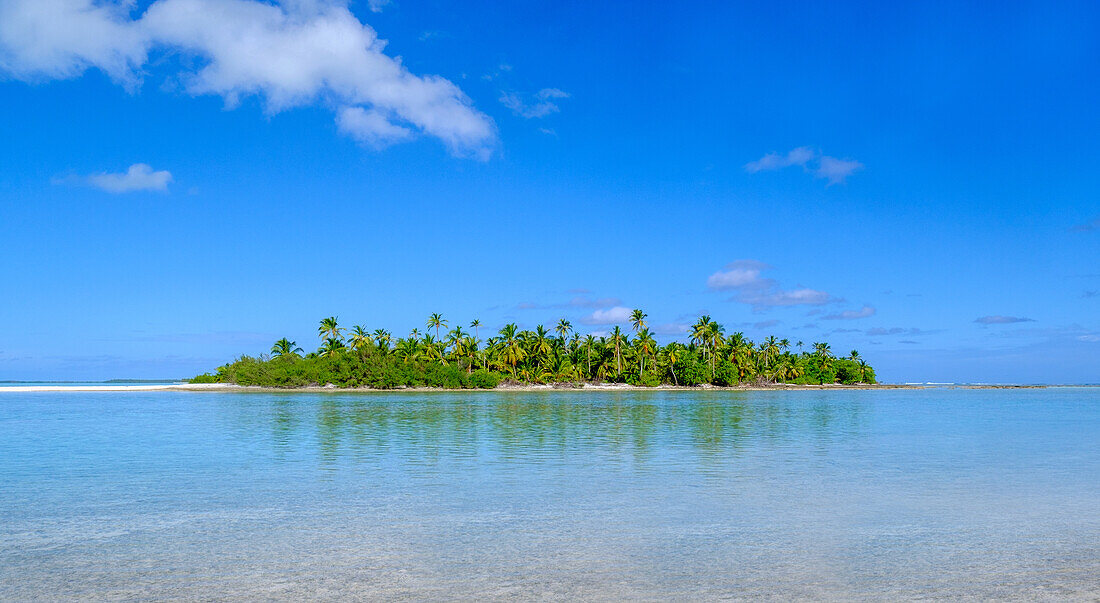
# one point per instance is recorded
(609, 495)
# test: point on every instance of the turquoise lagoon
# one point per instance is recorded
(890, 494)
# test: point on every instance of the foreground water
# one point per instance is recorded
(594, 495)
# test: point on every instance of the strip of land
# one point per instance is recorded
(559, 387)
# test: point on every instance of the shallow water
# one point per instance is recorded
(894, 494)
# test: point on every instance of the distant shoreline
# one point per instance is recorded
(227, 388)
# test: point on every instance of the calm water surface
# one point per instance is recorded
(654, 495)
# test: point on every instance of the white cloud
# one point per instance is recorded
(376, 6)
(541, 105)
(59, 39)
(370, 127)
(836, 170)
(864, 312)
(775, 161)
(140, 177)
(822, 166)
(609, 316)
(295, 53)
(744, 278)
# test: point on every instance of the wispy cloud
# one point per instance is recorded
(289, 54)
(835, 170)
(671, 328)
(880, 331)
(579, 301)
(1001, 320)
(744, 278)
(543, 103)
(608, 316)
(139, 177)
(775, 161)
(376, 6)
(863, 312)
(1087, 226)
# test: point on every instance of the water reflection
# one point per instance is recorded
(425, 428)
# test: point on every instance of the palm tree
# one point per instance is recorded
(714, 339)
(408, 350)
(645, 344)
(329, 328)
(285, 347)
(382, 338)
(360, 338)
(541, 344)
(331, 347)
(673, 354)
(474, 324)
(822, 351)
(563, 329)
(511, 349)
(637, 319)
(770, 349)
(436, 320)
(589, 344)
(617, 339)
(699, 333)
(854, 355)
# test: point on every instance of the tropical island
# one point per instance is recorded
(458, 359)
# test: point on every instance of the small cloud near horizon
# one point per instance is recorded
(1001, 320)
(608, 316)
(744, 278)
(139, 177)
(864, 312)
(833, 169)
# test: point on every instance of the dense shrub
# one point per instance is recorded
(483, 379)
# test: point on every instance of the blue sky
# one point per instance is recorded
(183, 181)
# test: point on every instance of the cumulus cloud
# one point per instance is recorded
(1001, 320)
(835, 170)
(289, 54)
(140, 177)
(750, 287)
(542, 104)
(863, 312)
(59, 39)
(608, 316)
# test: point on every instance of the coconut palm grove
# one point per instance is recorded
(451, 357)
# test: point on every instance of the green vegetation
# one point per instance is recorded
(459, 360)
